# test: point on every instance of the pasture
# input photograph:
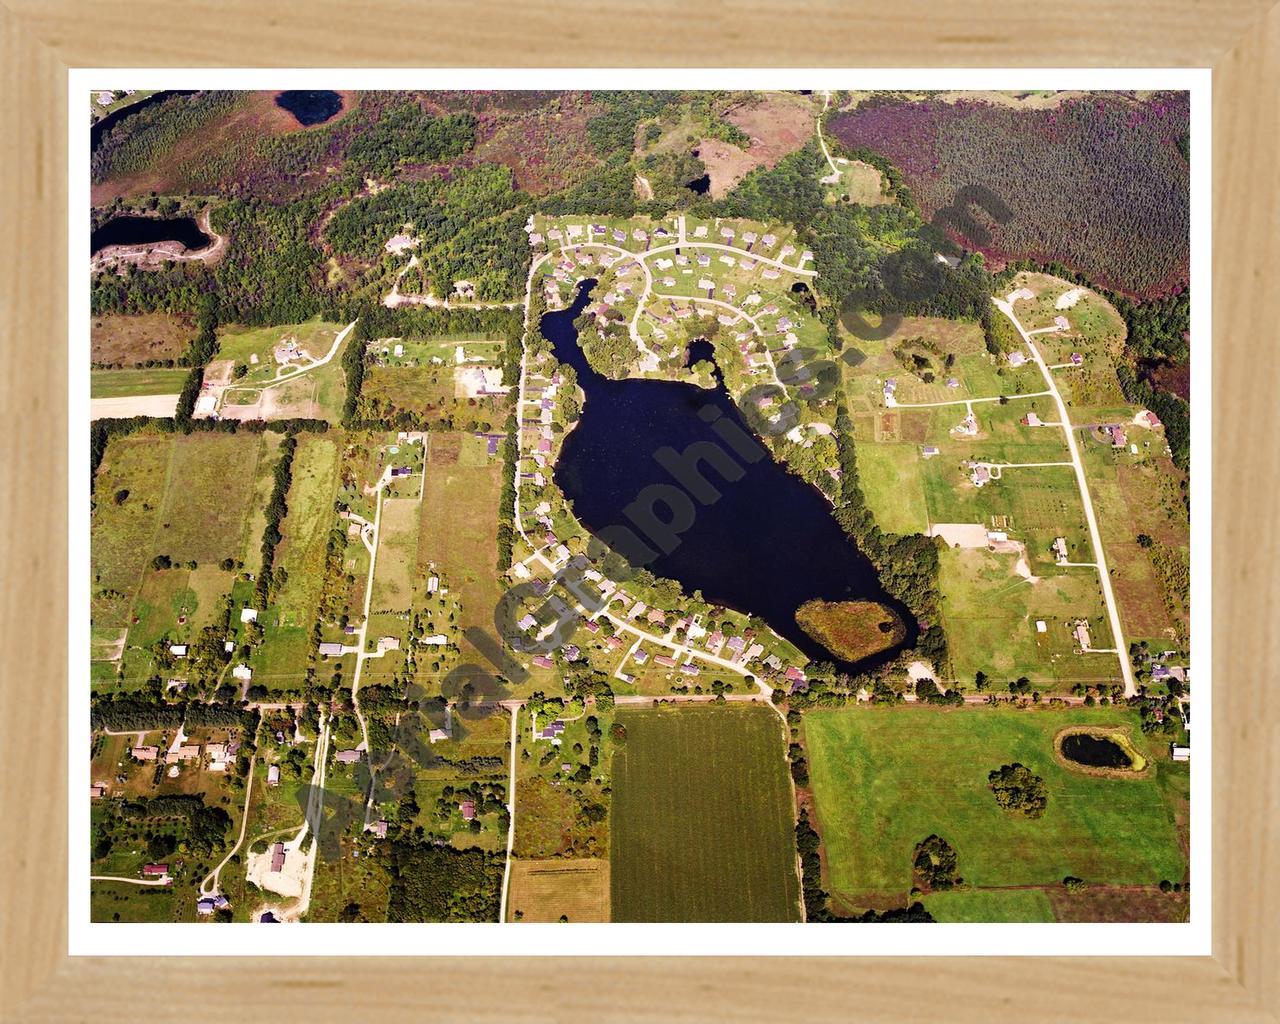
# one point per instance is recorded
(702, 818)
(301, 555)
(546, 890)
(121, 340)
(885, 778)
(393, 577)
(989, 906)
(210, 487)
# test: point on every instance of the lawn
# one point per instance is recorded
(886, 778)
(546, 890)
(702, 818)
(120, 901)
(122, 383)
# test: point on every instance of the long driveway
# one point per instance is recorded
(1095, 536)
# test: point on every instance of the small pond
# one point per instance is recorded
(700, 185)
(700, 350)
(1095, 751)
(132, 230)
(310, 107)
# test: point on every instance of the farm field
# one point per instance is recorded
(123, 383)
(885, 778)
(547, 890)
(702, 818)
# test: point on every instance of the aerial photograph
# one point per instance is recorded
(637, 506)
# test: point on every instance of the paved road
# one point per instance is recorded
(1095, 536)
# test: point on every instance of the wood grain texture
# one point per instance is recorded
(38, 40)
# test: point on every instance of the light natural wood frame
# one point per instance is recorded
(40, 39)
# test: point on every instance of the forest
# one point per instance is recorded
(1098, 183)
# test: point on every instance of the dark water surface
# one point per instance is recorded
(309, 107)
(130, 230)
(764, 546)
(1094, 751)
(700, 185)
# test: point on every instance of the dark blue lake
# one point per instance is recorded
(130, 230)
(310, 106)
(766, 545)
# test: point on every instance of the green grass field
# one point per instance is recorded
(702, 818)
(885, 778)
(207, 501)
(990, 614)
(301, 553)
(393, 578)
(122, 383)
(890, 475)
(990, 906)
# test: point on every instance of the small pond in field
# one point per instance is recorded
(310, 107)
(1095, 751)
(700, 185)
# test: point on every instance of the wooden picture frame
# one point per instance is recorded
(39, 41)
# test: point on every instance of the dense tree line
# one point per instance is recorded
(507, 496)
(353, 366)
(277, 509)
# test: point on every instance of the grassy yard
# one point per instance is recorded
(885, 778)
(702, 818)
